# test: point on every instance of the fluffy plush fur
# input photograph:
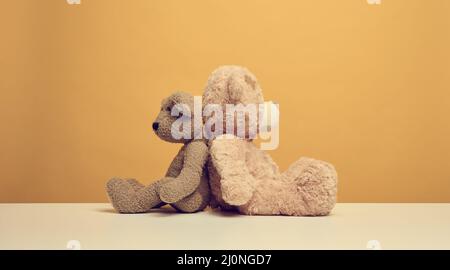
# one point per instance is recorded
(233, 85)
(241, 176)
(185, 186)
(244, 178)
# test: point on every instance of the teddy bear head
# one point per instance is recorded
(175, 119)
(236, 86)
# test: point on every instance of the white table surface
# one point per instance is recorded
(97, 226)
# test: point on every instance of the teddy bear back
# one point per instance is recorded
(233, 85)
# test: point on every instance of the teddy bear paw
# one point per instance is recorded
(237, 195)
(170, 191)
(122, 194)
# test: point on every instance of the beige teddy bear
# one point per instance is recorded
(185, 186)
(245, 178)
(241, 176)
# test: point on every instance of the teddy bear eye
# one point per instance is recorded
(168, 109)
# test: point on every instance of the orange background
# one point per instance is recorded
(366, 87)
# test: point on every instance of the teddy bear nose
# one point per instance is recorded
(155, 126)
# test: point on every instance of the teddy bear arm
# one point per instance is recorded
(229, 158)
(181, 186)
(196, 201)
(176, 165)
(236, 183)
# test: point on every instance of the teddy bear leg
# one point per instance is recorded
(313, 188)
(197, 201)
(129, 196)
(136, 185)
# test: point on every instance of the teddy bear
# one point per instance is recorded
(240, 176)
(244, 178)
(185, 185)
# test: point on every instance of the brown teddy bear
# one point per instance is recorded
(242, 177)
(185, 186)
(245, 178)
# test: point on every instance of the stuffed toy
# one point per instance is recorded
(240, 176)
(185, 186)
(244, 178)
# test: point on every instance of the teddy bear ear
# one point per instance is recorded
(232, 85)
(180, 97)
(243, 87)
